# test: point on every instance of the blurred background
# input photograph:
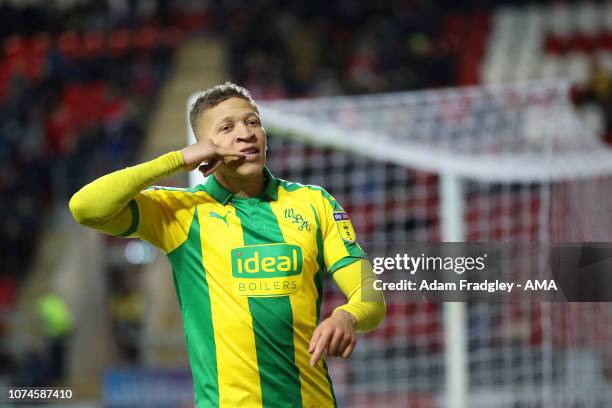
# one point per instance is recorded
(89, 87)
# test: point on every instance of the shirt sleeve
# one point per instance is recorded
(340, 247)
(164, 217)
(115, 203)
(364, 302)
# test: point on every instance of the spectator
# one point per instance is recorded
(57, 323)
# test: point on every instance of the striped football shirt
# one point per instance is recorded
(248, 274)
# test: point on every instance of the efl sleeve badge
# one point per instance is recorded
(345, 228)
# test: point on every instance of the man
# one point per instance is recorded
(248, 252)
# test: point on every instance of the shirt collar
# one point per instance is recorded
(223, 195)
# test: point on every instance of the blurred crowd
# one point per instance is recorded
(76, 87)
(328, 48)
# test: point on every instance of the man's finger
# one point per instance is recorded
(332, 348)
(222, 151)
(209, 168)
(349, 349)
(319, 348)
(314, 340)
(346, 340)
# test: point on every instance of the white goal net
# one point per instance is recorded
(505, 164)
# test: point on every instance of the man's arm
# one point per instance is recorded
(349, 267)
(365, 303)
(364, 311)
(104, 204)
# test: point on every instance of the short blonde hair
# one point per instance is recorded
(213, 96)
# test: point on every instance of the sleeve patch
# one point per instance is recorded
(345, 227)
(340, 216)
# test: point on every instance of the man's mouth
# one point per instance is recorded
(252, 153)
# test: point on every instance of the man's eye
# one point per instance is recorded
(225, 128)
(253, 122)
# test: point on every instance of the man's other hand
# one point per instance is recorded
(334, 336)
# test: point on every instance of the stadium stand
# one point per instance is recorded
(76, 87)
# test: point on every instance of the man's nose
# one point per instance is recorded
(244, 133)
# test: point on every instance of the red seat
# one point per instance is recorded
(605, 41)
(93, 44)
(170, 37)
(39, 45)
(92, 102)
(555, 45)
(582, 42)
(69, 45)
(146, 38)
(120, 42)
(15, 46)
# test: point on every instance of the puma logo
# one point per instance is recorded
(221, 217)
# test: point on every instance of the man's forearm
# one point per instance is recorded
(104, 198)
(354, 280)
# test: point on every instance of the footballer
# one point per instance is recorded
(248, 253)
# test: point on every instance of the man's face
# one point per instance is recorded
(234, 123)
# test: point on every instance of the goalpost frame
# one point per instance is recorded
(455, 313)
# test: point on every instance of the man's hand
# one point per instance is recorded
(209, 155)
(334, 336)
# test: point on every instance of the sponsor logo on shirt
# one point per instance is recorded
(267, 270)
(340, 216)
(345, 227)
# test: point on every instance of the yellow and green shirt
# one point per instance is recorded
(248, 274)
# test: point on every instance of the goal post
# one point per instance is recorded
(455, 315)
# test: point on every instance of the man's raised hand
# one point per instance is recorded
(207, 156)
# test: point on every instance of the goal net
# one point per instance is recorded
(504, 164)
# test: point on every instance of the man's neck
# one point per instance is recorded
(241, 187)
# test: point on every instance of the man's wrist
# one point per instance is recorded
(187, 159)
(185, 156)
(168, 163)
(348, 315)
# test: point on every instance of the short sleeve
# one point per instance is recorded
(340, 247)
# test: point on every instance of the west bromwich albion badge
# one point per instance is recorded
(344, 226)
